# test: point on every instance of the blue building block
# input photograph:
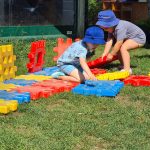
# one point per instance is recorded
(20, 97)
(48, 71)
(20, 82)
(99, 88)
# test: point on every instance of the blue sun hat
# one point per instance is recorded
(107, 19)
(94, 35)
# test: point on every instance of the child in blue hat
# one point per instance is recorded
(73, 64)
(127, 36)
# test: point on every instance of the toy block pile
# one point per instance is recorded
(39, 83)
(114, 76)
(99, 88)
(7, 66)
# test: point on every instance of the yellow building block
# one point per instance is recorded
(33, 77)
(113, 76)
(7, 60)
(149, 74)
(4, 109)
(7, 106)
(12, 104)
(7, 87)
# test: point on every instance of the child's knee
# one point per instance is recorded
(81, 79)
(123, 48)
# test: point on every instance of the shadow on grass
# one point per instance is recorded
(143, 56)
(114, 66)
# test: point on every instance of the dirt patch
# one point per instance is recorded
(26, 131)
(125, 101)
(56, 104)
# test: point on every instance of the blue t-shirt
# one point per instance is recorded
(73, 53)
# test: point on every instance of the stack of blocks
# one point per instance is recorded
(7, 59)
(99, 88)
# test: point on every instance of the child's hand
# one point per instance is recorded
(92, 77)
(103, 55)
(109, 56)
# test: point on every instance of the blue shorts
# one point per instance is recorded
(67, 69)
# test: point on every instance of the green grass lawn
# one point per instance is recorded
(73, 122)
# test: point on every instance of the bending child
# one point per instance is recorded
(72, 62)
(127, 36)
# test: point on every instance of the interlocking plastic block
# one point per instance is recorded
(47, 88)
(7, 87)
(33, 77)
(36, 56)
(100, 62)
(138, 80)
(48, 71)
(114, 76)
(20, 97)
(97, 71)
(149, 74)
(8, 106)
(99, 88)
(7, 59)
(62, 46)
(58, 85)
(20, 82)
(36, 92)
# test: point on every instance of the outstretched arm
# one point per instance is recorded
(107, 47)
(86, 68)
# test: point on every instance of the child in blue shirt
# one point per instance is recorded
(127, 35)
(73, 63)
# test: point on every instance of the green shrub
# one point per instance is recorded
(93, 8)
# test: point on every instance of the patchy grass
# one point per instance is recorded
(74, 122)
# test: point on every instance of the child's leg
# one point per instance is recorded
(120, 58)
(126, 46)
(73, 72)
(68, 78)
(75, 76)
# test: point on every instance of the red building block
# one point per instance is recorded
(138, 80)
(97, 71)
(59, 85)
(100, 62)
(62, 46)
(36, 92)
(47, 88)
(36, 56)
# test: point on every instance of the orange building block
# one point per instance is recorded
(62, 45)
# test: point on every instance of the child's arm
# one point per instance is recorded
(107, 46)
(115, 49)
(86, 68)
